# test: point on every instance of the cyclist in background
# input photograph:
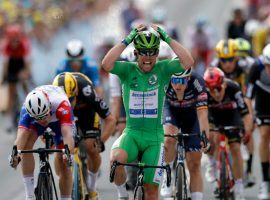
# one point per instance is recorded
(76, 61)
(185, 109)
(227, 61)
(88, 107)
(227, 107)
(16, 67)
(259, 88)
(45, 106)
(245, 61)
(201, 41)
(143, 85)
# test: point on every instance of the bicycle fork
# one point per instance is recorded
(224, 161)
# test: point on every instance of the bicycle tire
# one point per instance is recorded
(180, 192)
(77, 192)
(224, 188)
(139, 193)
(44, 187)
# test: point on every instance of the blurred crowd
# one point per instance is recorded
(42, 19)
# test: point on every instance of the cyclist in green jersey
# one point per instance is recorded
(144, 84)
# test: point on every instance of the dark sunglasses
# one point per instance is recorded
(148, 52)
(217, 88)
(224, 60)
(181, 81)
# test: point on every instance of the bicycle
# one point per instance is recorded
(79, 172)
(180, 183)
(139, 189)
(46, 184)
(225, 177)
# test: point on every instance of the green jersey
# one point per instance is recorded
(144, 93)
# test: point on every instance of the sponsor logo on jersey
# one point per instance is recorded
(153, 79)
(87, 91)
(103, 105)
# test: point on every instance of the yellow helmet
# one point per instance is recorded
(68, 82)
(226, 48)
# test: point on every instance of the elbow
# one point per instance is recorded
(106, 65)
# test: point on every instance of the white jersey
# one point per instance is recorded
(115, 86)
(57, 97)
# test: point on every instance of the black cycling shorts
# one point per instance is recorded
(15, 66)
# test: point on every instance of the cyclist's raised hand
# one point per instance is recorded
(133, 33)
(163, 35)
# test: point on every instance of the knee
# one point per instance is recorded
(195, 167)
(151, 191)
(119, 156)
(170, 143)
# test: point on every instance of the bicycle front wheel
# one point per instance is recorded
(180, 184)
(224, 187)
(77, 189)
(139, 193)
(44, 187)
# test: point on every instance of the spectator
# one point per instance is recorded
(236, 27)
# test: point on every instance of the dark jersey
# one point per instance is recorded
(89, 107)
(229, 111)
(238, 75)
(259, 87)
(195, 95)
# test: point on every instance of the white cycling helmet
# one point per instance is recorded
(183, 74)
(37, 104)
(75, 49)
(266, 54)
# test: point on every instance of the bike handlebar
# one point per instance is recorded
(140, 166)
(66, 151)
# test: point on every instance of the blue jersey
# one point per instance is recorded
(89, 68)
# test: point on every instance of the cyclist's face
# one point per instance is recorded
(147, 61)
(228, 65)
(76, 64)
(45, 120)
(218, 92)
(179, 85)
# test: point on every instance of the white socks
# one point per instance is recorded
(91, 181)
(29, 187)
(122, 190)
(196, 196)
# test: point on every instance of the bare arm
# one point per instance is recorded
(67, 136)
(182, 53)
(109, 127)
(203, 120)
(112, 56)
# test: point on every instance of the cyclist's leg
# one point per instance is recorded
(63, 170)
(234, 141)
(193, 156)
(26, 140)
(122, 152)
(93, 164)
(153, 155)
(169, 143)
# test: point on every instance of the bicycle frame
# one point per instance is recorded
(224, 162)
(140, 174)
(181, 160)
(79, 165)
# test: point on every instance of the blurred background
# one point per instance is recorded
(44, 27)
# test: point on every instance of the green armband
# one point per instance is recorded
(164, 36)
(130, 37)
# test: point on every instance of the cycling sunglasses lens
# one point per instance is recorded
(147, 52)
(181, 81)
(224, 60)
